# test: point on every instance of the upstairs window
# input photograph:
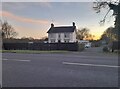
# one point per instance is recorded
(53, 41)
(66, 40)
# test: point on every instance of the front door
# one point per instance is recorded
(59, 41)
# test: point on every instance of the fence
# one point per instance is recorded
(41, 46)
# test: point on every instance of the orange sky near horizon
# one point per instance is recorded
(38, 33)
(30, 26)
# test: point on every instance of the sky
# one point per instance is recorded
(33, 19)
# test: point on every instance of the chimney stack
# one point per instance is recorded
(52, 25)
(73, 23)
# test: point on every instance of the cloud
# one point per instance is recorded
(23, 19)
(50, 0)
(29, 32)
(43, 4)
(15, 6)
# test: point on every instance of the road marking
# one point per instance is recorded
(82, 64)
(16, 60)
(4, 59)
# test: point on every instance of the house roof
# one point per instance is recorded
(62, 29)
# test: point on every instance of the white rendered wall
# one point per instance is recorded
(72, 37)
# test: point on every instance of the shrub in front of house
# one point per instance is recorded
(105, 49)
(81, 47)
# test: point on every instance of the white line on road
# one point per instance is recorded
(82, 64)
(15, 60)
(4, 59)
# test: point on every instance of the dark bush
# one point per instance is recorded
(105, 49)
(41, 46)
(81, 47)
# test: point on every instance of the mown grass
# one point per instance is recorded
(32, 51)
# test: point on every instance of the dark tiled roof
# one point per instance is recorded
(61, 29)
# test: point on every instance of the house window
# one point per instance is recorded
(66, 40)
(66, 35)
(53, 41)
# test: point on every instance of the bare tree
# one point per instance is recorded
(84, 33)
(112, 5)
(44, 38)
(109, 35)
(7, 31)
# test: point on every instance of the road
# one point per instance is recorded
(74, 69)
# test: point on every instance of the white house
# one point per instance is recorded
(62, 34)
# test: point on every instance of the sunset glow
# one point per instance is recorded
(34, 19)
